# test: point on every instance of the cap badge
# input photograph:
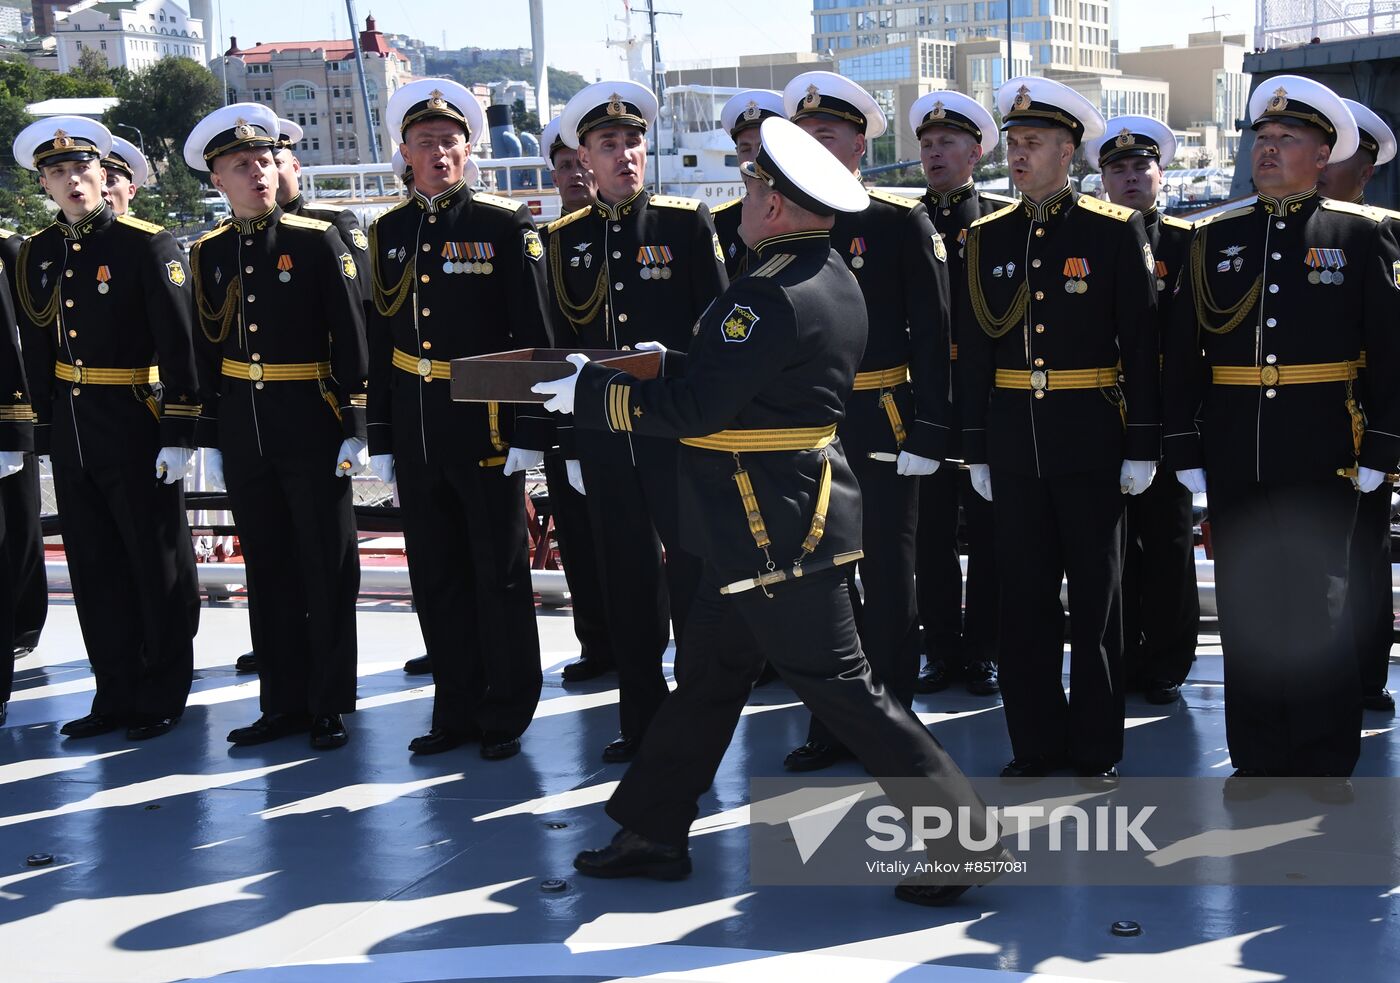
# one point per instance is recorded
(1023, 98)
(813, 98)
(62, 141)
(1280, 100)
(243, 130)
(1125, 138)
(939, 112)
(752, 111)
(615, 105)
(436, 100)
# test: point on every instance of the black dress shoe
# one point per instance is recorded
(633, 855)
(438, 740)
(146, 726)
(1332, 791)
(814, 756)
(246, 663)
(1161, 692)
(269, 727)
(420, 665)
(1097, 778)
(1245, 785)
(22, 650)
(1379, 700)
(4, 712)
(934, 678)
(328, 732)
(498, 747)
(589, 667)
(982, 678)
(92, 725)
(1028, 768)
(621, 750)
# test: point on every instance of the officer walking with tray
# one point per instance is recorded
(635, 266)
(776, 517)
(104, 316)
(283, 369)
(1059, 378)
(1264, 413)
(897, 419)
(1161, 608)
(740, 118)
(954, 133)
(459, 273)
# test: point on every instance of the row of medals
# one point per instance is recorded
(1074, 286)
(462, 266)
(655, 273)
(1325, 276)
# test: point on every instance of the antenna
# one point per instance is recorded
(1213, 17)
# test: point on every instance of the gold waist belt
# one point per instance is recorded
(87, 376)
(427, 368)
(1282, 375)
(286, 372)
(737, 441)
(882, 378)
(1057, 378)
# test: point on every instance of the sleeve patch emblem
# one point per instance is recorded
(347, 266)
(719, 253)
(176, 272)
(1147, 256)
(738, 324)
(357, 236)
(940, 251)
(533, 247)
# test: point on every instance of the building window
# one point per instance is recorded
(340, 144)
(349, 119)
(300, 92)
(315, 143)
(339, 119)
(103, 43)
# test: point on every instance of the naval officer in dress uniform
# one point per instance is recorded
(1369, 592)
(572, 527)
(18, 518)
(741, 117)
(1059, 378)
(458, 273)
(104, 316)
(960, 644)
(775, 512)
(633, 267)
(898, 416)
(127, 172)
(1280, 298)
(283, 369)
(1161, 609)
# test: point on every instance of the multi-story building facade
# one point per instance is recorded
(132, 34)
(1210, 90)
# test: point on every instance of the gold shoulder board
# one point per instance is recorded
(728, 204)
(674, 201)
(1100, 207)
(999, 213)
(890, 198)
(1172, 221)
(148, 227)
(573, 216)
(1346, 207)
(301, 222)
(509, 204)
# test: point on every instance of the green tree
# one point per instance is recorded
(525, 120)
(164, 102)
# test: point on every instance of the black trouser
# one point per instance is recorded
(296, 525)
(1369, 597)
(1049, 529)
(885, 611)
(633, 512)
(8, 576)
(1292, 681)
(806, 630)
(578, 554)
(24, 547)
(131, 563)
(1161, 609)
(954, 633)
(469, 564)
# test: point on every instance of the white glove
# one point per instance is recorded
(575, 472)
(214, 470)
(11, 462)
(1135, 476)
(981, 480)
(913, 465)
(562, 390)
(651, 346)
(382, 467)
(1368, 480)
(519, 459)
(353, 457)
(1194, 480)
(174, 464)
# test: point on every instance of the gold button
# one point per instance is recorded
(252, 327)
(1270, 393)
(67, 303)
(247, 269)
(255, 356)
(432, 219)
(618, 285)
(247, 242)
(616, 254)
(424, 278)
(947, 211)
(1039, 233)
(72, 333)
(622, 319)
(77, 361)
(77, 391)
(1039, 394)
(251, 298)
(1040, 295)
(67, 272)
(257, 385)
(427, 247)
(1035, 264)
(1040, 329)
(1271, 359)
(1040, 363)
(426, 312)
(427, 345)
(77, 247)
(617, 228)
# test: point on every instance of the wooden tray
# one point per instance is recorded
(506, 377)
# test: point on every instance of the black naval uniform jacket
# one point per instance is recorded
(900, 264)
(9, 256)
(736, 254)
(16, 411)
(347, 226)
(1064, 285)
(1271, 286)
(107, 293)
(455, 275)
(952, 213)
(271, 291)
(644, 269)
(778, 350)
